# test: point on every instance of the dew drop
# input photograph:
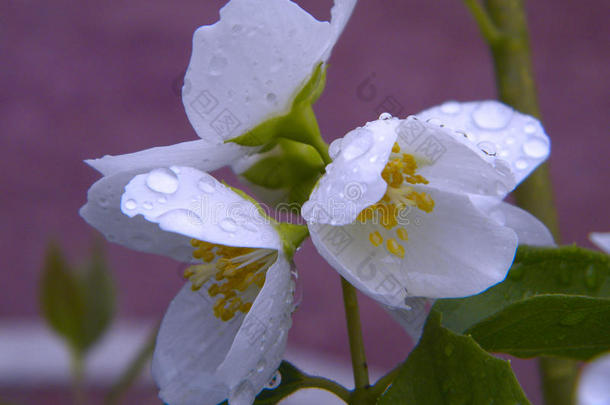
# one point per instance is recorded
(103, 201)
(260, 366)
(271, 97)
(228, 225)
(147, 205)
(492, 115)
(451, 107)
(162, 200)
(358, 146)
(373, 159)
(434, 121)
(529, 129)
(131, 204)
(535, 148)
(521, 164)
(591, 279)
(162, 180)
(207, 184)
(488, 148)
(449, 349)
(236, 28)
(275, 381)
(217, 64)
(501, 189)
(385, 116)
(335, 148)
(466, 135)
(509, 140)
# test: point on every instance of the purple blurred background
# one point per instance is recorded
(84, 79)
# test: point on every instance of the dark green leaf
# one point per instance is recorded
(447, 368)
(567, 270)
(292, 380)
(555, 325)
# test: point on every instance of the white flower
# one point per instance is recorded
(224, 334)
(411, 208)
(593, 388)
(245, 70)
(601, 240)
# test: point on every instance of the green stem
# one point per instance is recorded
(384, 382)
(78, 377)
(511, 54)
(356, 344)
(328, 385)
(133, 370)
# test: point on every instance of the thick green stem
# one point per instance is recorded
(356, 344)
(508, 40)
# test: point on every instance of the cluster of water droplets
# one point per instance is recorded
(497, 130)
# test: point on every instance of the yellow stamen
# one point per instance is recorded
(402, 234)
(395, 248)
(233, 270)
(375, 238)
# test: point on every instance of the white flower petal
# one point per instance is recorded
(514, 137)
(455, 251)
(249, 66)
(528, 228)
(353, 180)
(259, 345)
(451, 161)
(593, 387)
(191, 344)
(340, 14)
(190, 202)
(103, 212)
(198, 154)
(601, 240)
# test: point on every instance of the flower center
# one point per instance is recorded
(235, 270)
(400, 173)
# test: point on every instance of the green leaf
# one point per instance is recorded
(447, 368)
(77, 305)
(548, 325)
(292, 380)
(536, 271)
(298, 124)
(61, 298)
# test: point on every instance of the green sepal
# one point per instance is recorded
(290, 166)
(298, 124)
(292, 380)
(292, 236)
(78, 305)
(448, 368)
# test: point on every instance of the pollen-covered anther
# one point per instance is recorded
(400, 174)
(234, 270)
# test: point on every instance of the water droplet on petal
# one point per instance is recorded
(147, 205)
(510, 140)
(242, 395)
(385, 116)
(492, 115)
(498, 216)
(228, 225)
(162, 200)
(260, 366)
(529, 129)
(271, 97)
(207, 184)
(162, 180)
(451, 107)
(501, 189)
(358, 146)
(131, 204)
(536, 148)
(275, 381)
(103, 201)
(335, 148)
(521, 164)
